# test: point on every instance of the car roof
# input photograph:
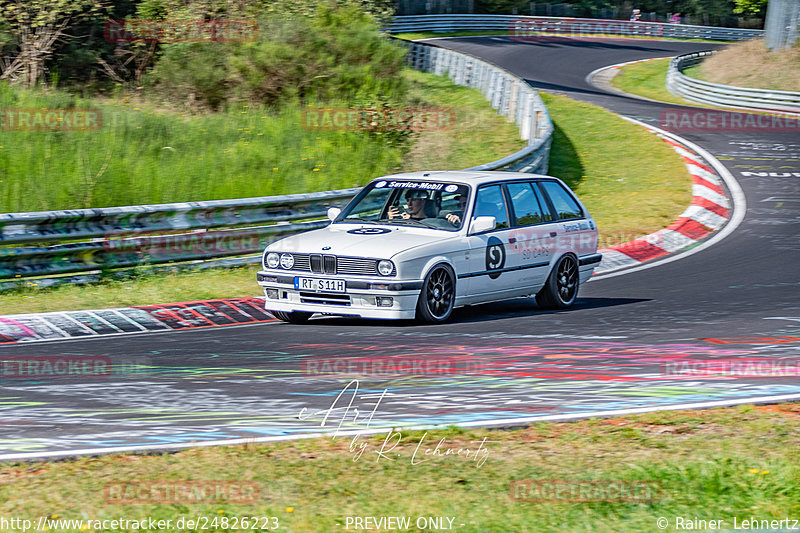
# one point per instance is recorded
(468, 177)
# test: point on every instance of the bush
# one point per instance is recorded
(336, 54)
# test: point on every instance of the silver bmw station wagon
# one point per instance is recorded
(418, 245)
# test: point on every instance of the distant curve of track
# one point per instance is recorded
(616, 351)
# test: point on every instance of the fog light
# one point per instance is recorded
(272, 294)
(384, 301)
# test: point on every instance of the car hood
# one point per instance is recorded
(360, 240)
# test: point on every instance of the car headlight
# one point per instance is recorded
(385, 268)
(273, 260)
(287, 261)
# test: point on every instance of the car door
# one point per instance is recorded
(533, 236)
(490, 264)
(573, 232)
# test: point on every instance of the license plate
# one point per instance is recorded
(319, 285)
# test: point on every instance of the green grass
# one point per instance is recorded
(142, 289)
(632, 182)
(713, 464)
(479, 134)
(649, 79)
(630, 193)
(143, 156)
(146, 156)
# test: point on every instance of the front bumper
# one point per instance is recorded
(361, 298)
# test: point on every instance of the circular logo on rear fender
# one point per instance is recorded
(495, 256)
(369, 231)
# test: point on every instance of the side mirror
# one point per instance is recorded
(333, 212)
(482, 224)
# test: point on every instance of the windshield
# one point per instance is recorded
(438, 205)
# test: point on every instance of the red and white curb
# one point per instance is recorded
(709, 211)
(131, 320)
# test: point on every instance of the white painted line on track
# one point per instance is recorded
(505, 422)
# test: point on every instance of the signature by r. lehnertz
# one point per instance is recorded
(352, 417)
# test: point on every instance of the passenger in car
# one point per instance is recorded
(455, 217)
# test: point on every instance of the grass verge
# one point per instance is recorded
(630, 193)
(142, 155)
(648, 79)
(722, 464)
(479, 135)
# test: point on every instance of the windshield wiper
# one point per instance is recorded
(356, 219)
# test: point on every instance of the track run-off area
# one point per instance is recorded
(717, 325)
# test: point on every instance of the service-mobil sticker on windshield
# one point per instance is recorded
(416, 185)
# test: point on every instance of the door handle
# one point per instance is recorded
(553, 233)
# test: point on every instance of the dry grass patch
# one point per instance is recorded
(751, 64)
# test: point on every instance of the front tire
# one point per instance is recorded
(561, 289)
(294, 317)
(438, 295)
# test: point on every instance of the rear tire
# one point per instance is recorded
(561, 289)
(294, 317)
(438, 295)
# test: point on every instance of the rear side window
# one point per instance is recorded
(526, 207)
(565, 205)
(490, 203)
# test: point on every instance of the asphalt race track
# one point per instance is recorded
(627, 344)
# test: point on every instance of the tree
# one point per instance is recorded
(750, 7)
(37, 26)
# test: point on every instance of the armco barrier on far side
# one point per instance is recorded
(706, 92)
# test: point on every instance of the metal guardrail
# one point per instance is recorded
(525, 27)
(116, 240)
(705, 92)
(510, 95)
(134, 237)
(116, 222)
